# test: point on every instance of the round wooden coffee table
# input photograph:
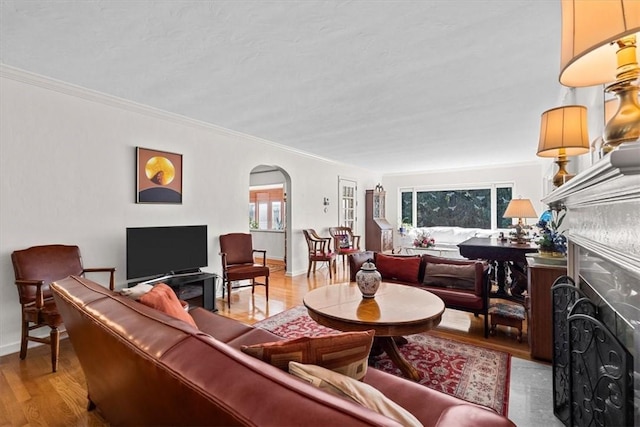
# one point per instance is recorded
(396, 310)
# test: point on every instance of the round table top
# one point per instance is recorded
(396, 309)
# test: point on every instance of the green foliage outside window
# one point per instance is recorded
(407, 207)
(504, 197)
(459, 208)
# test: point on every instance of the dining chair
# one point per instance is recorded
(344, 242)
(35, 268)
(238, 263)
(319, 251)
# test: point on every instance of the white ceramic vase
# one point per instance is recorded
(368, 279)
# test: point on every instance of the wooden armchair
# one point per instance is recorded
(344, 242)
(319, 251)
(35, 268)
(236, 250)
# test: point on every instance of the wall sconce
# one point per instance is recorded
(599, 47)
(325, 203)
(563, 132)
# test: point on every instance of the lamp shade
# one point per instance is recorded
(563, 132)
(590, 29)
(520, 208)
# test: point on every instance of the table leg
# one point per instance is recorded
(501, 276)
(390, 347)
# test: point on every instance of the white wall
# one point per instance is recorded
(67, 161)
(526, 179)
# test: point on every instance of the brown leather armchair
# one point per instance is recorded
(35, 268)
(319, 251)
(236, 250)
(344, 242)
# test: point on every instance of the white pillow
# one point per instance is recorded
(344, 386)
(136, 291)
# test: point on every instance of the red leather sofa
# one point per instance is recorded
(412, 269)
(144, 367)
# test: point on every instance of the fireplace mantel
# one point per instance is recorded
(603, 209)
(603, 233)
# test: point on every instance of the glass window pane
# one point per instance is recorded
(461, 208)
(504, 195)
(406, 210)
(263, 216)
(276, 216)
(252, 216)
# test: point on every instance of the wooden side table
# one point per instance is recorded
(540, 279)
(396, 310)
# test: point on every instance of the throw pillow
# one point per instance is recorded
(451, 276)
(135, 292)
(346, 353)
(162, 298)
(345, 243)
(401, 268)
(357, 391)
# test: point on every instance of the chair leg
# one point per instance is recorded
(228, 294)
(54, 336)
(330, 272)
(25, 340)
(486, 325)
(309, 269)
(253, 286)
(266, 288)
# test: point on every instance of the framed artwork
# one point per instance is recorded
(158, 176)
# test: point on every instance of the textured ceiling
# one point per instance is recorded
(392, 86)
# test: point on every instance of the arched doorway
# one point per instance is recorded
(270, 212)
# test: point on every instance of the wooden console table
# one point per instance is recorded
(500, 251)
(540, 278)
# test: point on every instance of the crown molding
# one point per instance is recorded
(65, 88)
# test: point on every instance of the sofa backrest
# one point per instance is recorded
(144, 367)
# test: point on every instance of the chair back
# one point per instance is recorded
(47, 263)
(342, 237)
(315, 243)
(238, 248)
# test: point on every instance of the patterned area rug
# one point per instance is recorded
(466, 371)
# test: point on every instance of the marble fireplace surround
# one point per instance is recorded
(603, 221)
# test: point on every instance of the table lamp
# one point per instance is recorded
(520, 208)
(563, 132)
(599, 40)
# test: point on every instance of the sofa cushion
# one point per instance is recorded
(162, 298)
(450, 275)
(344, 386)
(400, 268)
(346, 353)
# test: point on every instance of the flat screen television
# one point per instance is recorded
(155, 251)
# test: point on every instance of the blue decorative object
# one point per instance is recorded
(551, 238)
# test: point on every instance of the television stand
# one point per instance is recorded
(208, 281)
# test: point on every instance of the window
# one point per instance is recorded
(348, 205)
(266, 205)
(471, 208)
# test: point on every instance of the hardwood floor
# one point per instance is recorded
(30, 394)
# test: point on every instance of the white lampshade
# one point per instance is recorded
(590, 29)
(520, 208)
(563, 132)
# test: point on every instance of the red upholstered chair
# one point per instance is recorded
(35, 268)
(344, 242)
(319, 251)
(238, 263)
